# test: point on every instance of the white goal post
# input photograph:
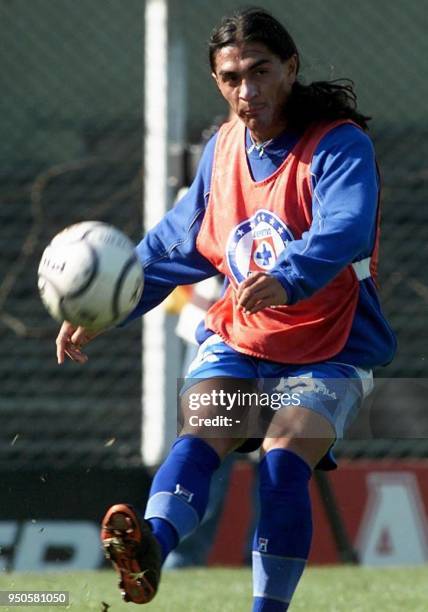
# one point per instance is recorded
(163, 133)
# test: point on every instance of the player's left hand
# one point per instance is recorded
(260, 290)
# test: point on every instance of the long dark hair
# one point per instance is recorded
(318, 101)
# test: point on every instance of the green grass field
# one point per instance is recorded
(335, 589)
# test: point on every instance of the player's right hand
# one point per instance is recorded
(70, 340)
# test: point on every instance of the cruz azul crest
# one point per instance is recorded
(255, 244)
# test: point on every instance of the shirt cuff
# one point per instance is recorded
(291, 296)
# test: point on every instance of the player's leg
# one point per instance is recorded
(179, 492)
(177, 502)
(284, 532)
(298, 438)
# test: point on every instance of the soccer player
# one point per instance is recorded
(285, 205)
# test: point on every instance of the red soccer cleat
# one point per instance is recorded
(134, 552)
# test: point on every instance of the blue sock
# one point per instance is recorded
(284, 532)
(179, 492)
(165, 534)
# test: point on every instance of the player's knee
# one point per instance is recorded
(302, 431)
(225, 446)
(310, 450)
(222, 446)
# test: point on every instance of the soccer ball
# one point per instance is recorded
(90, 275)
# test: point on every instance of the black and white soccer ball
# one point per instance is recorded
(90, 275)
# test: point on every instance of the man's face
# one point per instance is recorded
(256, 83)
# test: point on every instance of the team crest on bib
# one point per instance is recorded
(255, 244)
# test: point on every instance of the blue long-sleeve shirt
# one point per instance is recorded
(345, 194)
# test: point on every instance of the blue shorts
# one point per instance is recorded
(334, 390)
